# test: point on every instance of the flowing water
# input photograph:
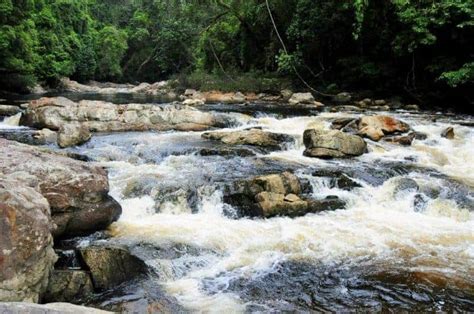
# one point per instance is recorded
(391, 248)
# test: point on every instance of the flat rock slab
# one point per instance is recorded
(51, 308)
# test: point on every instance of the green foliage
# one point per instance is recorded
(395, 45)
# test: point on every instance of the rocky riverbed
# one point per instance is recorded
(247, 205)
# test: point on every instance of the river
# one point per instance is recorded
(388, 249)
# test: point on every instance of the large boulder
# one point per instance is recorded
(73, 134)
(99, 116)
(77, 192)
(376, 127)
(254, 137)
(26, 253)
(275, 195)
(332, 144)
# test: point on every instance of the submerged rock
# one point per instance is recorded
(26, 253)
(448, 133)
(77, 192)
(275, 195)
(332, 144)
(98, 116)
(253, 137)
(376, 127)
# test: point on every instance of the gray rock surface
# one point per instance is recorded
(332, 144)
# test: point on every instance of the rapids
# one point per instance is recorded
(388, 249)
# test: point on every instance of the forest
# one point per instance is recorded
(420, 49)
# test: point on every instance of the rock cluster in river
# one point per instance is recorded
(43, 194)
(75, 120)
(276, 195)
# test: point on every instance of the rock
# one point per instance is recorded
(241, 152)
(332, 144)
(68, 286)
(193, 102)
(77, 192)
(412, 107)
(346, 108)
(343, 97)
(6, 110)
(376, 127)
(253, 137)
(286, 94)
(46, 136)
(189, 92)
(275, 195)
(239, 97)
(339, 123)
(50, 308)
(301, 98)
(404, 140)
(111, 265)
(338, 179)
(380, 102)
(448, 133)
(420, 136)
(404, 184)
(37, 89)
(98, 116)
(27, 256)
(73, 134)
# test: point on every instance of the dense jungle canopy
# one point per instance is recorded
(421, 48)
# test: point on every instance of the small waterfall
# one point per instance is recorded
(12, 121)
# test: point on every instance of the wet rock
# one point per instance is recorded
(380, 102)
(73, 134)
(98, 116)
(340, 123)
(343, 97)
(404, 140)
(77, 192)
(6, 110)
(420, 136)
(404, 184)
(253, 137)
(275, 195)
(111, 265)
(376, 127)
(301, 98)
(448, 133)
(143, 185)
(338, 179)
(241, 152)
(26, 253)
(332, 144)
(50, 308)
(68, 286)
